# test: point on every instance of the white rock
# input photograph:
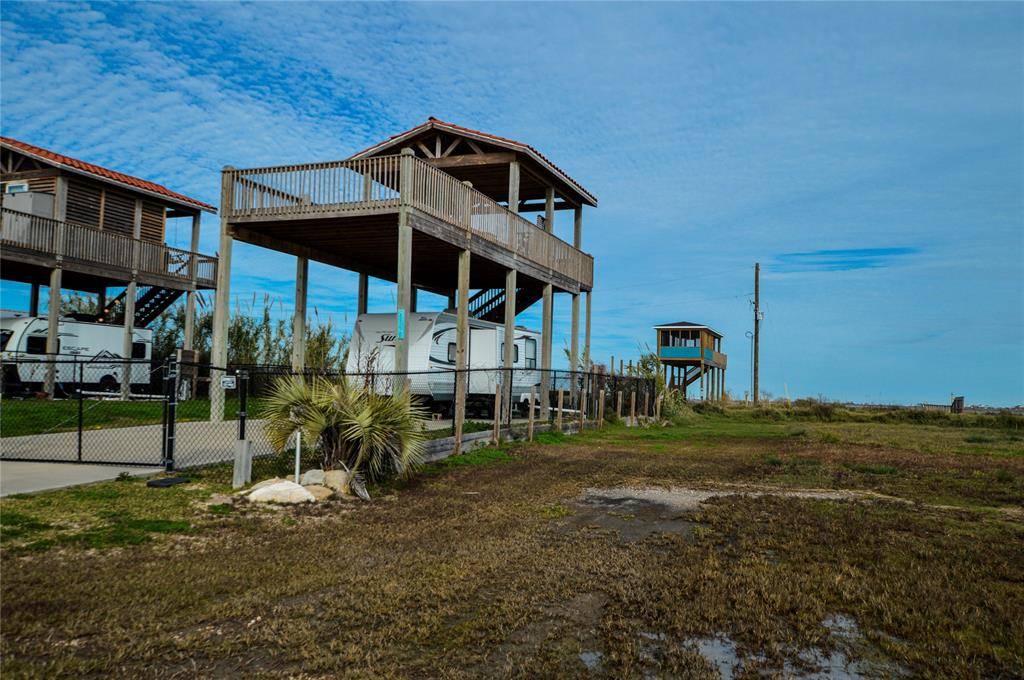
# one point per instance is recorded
(260, 485)
(312, 477)
(337, 480)
(281, 492)
(320, 493)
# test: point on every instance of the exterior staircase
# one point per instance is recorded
(151, 304)
(489, 304)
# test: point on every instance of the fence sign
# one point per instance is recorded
(228, 382)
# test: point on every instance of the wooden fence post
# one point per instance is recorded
(600, 411)
(647, 404)
(581, 405)
(558, 418)
(497, 414)
(529, 422)
(618, 405)
(632, 408)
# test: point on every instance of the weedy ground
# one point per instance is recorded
(534, 560)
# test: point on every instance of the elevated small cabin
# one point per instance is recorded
(692, 352)
(69, 224)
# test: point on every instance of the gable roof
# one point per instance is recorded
(687, 324)
(104, 174)
(505, 142)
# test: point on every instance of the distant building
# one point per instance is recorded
(692, 352)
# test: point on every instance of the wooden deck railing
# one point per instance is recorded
(369, 184)
(105, 248)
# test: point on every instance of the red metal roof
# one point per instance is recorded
(102, 173)
(433, 122)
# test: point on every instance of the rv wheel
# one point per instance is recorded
(108, 383)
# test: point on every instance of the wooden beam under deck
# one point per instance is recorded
(27, 267)
(367, 241)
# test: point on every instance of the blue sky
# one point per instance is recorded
(870, 156)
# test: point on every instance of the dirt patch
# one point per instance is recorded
(633, 516)
(689, 500)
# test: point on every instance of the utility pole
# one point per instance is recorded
(757, 328)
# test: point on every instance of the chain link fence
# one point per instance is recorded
(167, 419)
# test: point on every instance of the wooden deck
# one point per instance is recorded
(33, 245)
(345, 213)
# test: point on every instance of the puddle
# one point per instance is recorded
(721, 652)
(632, 517)
(591, 660)
(810, 664)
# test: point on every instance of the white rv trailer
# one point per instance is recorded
(432, 357)
(93, 349)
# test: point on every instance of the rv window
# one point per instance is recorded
(531, 353)
(138, 350)
(451, 352)
(4, 337)
(36, 344)
(515, 353)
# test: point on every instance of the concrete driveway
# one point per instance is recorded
(27, 477)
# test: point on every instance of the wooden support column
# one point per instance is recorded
(414, 305)
(451, 300)
(510, 336)
(574, 347)
(364, 290)
(545, 350)
(549, 210)
(577, 231)
(221, 306)
(513, 186)
(299, 314)
(461, 345)
(190, 299)
(129, 305)
(52, 328)
(546, 316)
(101, 299)
(586, 331)
(60, 202)
(404, 295)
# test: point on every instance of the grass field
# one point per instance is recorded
(734, 543)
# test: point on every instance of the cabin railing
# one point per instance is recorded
(78, 242)
(340, 188)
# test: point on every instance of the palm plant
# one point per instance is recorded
(351, 427)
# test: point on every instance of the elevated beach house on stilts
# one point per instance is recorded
(692, 352)
(438, 207)
(68, 224)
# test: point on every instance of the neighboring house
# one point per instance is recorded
(69, 224)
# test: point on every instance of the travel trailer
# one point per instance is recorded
(432, 358)
(94, 349)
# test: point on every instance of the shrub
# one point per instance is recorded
(707, 408)
(675, 409)
(350, 426)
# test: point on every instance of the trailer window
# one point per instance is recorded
(5, 336)
(36, 344)
(451, 352)
(138, 350)
(515, 353)
(531, 353)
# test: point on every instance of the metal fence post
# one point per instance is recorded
(172, 412)
(163, 421)
(81, 408)
(243, 401)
